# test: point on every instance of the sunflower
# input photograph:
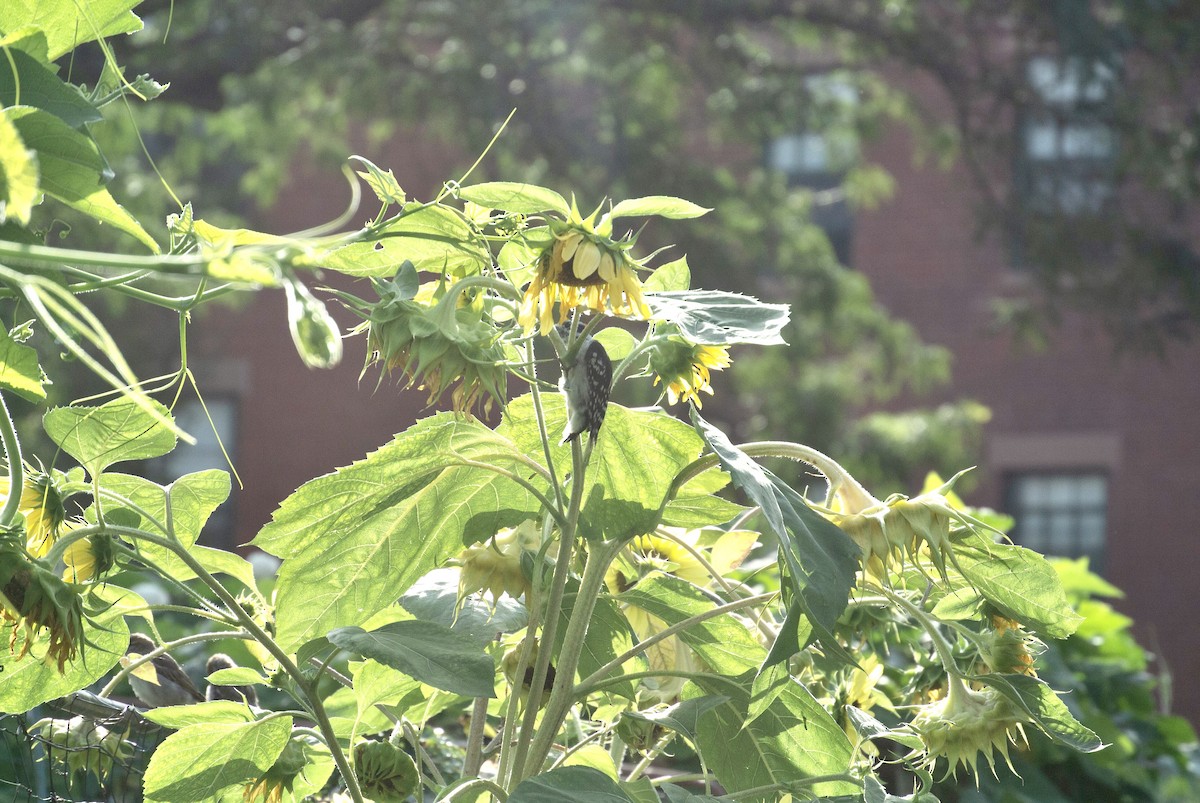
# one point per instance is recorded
(685, 368)
(42, 506)
(580, 268)
(33, 599)
(88, 557)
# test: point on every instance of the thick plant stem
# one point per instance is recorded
(474, 757)
(16, 469)
(562, 694)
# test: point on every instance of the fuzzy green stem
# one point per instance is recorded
(16, 469)
(475, 783)
(44, 254)
(474, 758)
(562, 693)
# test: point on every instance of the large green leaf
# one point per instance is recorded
(524, 199)
(40, 87)
(29, 682)
(1047, 709)
(19, 187)
(212, 712)
(114, 432)
(820, 559)
(719, 318)
(1020, 582)
(196, 763)
(69, 23)
(637, 455)
(723, 642)
(73, 169)
(577, 784)
(793, 739)
(432, 237)
(353, 541)
(429, 652)
(20, 371)
(376, 684)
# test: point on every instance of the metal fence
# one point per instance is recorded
(80, 749)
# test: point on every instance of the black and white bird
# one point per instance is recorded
(586, 383)
(237, 694)
(168, 684)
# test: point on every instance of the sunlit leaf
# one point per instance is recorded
(69, 24)
(199, 761)
(1046, 708)
(660, 205)
(382, 182)
(509, 196)
(20, 371)
(213, 712)
(115, 432)
(355, 540)
(434, 238)
(673, 276)
(718, 318)
(20, 190)
(1020, 582)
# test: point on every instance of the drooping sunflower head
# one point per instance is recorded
(685, 368)
(42, 506)
(436, 346)
(580, 267)
(34, 599)
(495, 564)
(967, 723)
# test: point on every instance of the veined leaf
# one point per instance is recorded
(212, 712)
(577, 784)
(355, 540)
(41, 88)
(1020, 582)
(73, 169)
(509, 196)
(718, 318)
(673, 276)
(428, 652)
(68, 24)
(608, 635)
(199, 761)
(382, 182)
(114, 432)
(432, 237)
(791, 739)
(821, 560)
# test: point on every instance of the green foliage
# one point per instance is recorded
(620, 616)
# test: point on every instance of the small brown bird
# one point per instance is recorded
(168, 684)
(237, 694)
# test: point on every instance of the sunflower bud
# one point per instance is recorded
(495, 565)
(1008, 649)
(88, 558)
(42, 506)
(83, 745)
(385, 772)
(966, 723)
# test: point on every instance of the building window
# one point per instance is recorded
(818, 159)
(1060, 514)
(1067, 149)
(205, 454)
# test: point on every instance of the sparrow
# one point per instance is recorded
(166, 683)
(237, 694)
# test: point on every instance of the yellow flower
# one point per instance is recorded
(42, 506)
(34, 597)
(88, 557)
(685, 368)
(581, 269)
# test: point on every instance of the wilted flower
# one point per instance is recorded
(581, 268)
(435, 346)
(33, 599)
(280, 777)
(966, 723)
(42, 506)
(495, 565)
(510, 662)
(684, 368)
